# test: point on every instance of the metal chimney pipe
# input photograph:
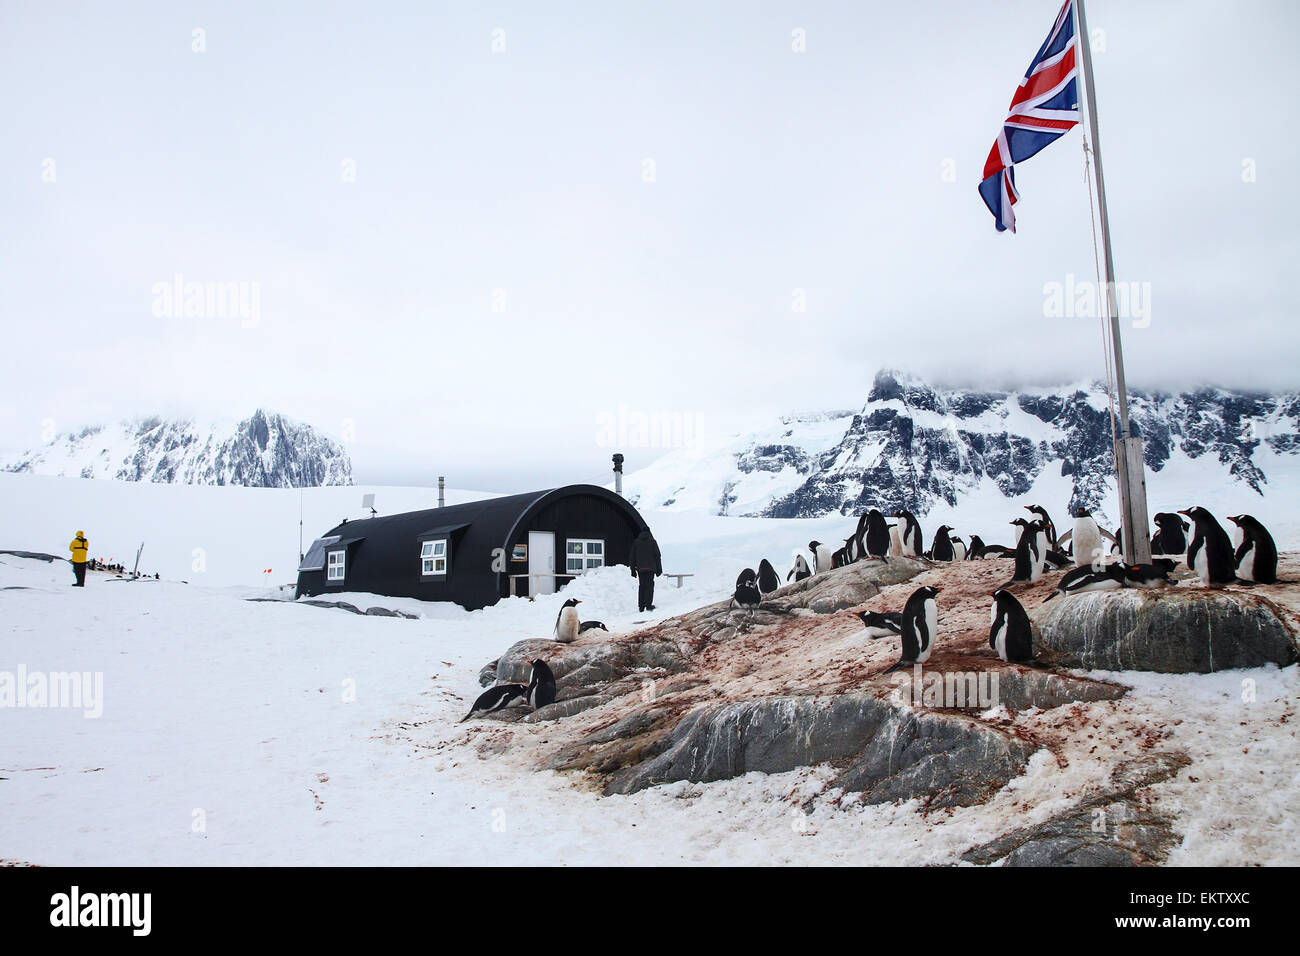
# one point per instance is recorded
(442, 492)
(618, 474)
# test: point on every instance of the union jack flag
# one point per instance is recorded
(1044, 108)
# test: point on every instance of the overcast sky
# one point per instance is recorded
(471, 232)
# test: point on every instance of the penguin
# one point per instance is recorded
(800, 569)
(941, 550)
(1170, 536)
(958, 549)
(999, 550)
(586, 626)
(767, 579)
(895, 542)
(881, 624)
(1210, 555)
(496, 698)
(1153, 575)
(1030, 551)
(1086, 578)
(860, 539)
(918, 627)
(877, 536)
(541, 686)
(977, 548)
(821, 556)
(746, 594)
(1086, 535)
(1256, 556)
(1010, 633)
(1045, 520)
(567, 624)
(838, 558)
(913, 544)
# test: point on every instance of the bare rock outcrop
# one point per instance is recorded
(1184, 630)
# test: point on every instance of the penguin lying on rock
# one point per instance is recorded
(1157, 574)
(880, 624)
(496, 698)
(586, 626)
(1088, 578)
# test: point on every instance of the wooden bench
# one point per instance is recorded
(545, 574)
(679, 577)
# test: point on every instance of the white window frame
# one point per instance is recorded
(429, 561)
(331, 565)
(586, 556)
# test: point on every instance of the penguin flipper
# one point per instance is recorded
(897, 666)
(1050, 596)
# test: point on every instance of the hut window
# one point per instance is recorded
(583, 554)
(433, 557)
(336, 564)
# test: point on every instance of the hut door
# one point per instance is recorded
(541, 560)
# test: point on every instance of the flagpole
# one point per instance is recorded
(1129, 466)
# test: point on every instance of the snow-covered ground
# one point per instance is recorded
(240, 732)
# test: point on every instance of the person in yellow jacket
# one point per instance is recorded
(79, 547)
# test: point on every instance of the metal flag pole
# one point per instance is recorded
(1129, 466)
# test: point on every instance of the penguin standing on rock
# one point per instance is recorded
(767, 579)
(895, 542)
(747, 594)
(800, 569)
(913, 546)
(918, 627)
(568, 625)
(821, 556)
(941, 550)
(1171, 535)
(1045, 520)
(977, 548)
(958, 549)
(877, 536)
(1031, 551)
(1256, 557)
(1010, 633)
(1087, 535)
(1210, 554)
(541, 685)
(496, 698)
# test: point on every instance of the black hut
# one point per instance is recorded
(466, 553)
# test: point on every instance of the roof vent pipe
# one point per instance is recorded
(618, 474)
(442, 491)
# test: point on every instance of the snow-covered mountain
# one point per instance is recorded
(925, 448)
(265, 450)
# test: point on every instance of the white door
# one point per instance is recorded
(541, 560)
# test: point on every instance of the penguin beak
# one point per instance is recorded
(938, 589)
(1184, 513)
